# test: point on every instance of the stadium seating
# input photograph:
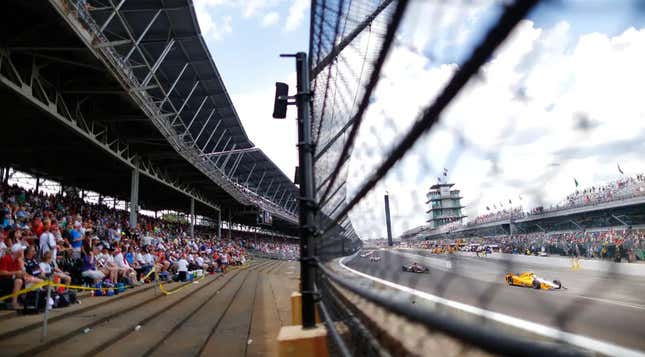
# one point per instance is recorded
(93, 242)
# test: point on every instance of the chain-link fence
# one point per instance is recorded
(508, 135)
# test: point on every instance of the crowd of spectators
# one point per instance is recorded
(63, 237)
(607, 244)
(284, 249)
(623, 188)
(612, 244)
(501, 215)
(620, 189)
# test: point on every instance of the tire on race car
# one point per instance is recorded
(558, 284)
(509, 280)
(403, 268)
(536, 284)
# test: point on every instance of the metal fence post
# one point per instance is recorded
(46, 314)
(307, 198)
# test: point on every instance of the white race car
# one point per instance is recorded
(367, 254)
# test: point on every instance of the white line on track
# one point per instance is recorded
(584, 342)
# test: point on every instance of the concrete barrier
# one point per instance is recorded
(637, 269)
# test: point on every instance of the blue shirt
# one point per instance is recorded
(76, 235)
(129, 257)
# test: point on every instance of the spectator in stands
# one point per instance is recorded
(124, 269)
(106, 264)
(148, 260)
(200, 261)
(76, 239)
(48, 270)
(182, 268)
(3, 246)
(12, 275)
(31, 265)
(47, 239)
(89, 269)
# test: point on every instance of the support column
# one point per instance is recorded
(230, 224)
(388, 223)
(219, 224)
(134, 196)
(37, 184)
(192, 218)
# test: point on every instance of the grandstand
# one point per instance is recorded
(618, 204)
(124, 100)
(121, 107)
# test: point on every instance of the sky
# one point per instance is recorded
(246, 38)
(561, 99)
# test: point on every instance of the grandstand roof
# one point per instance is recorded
(436, 186)
(104, 128)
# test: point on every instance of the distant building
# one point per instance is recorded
(444, 205)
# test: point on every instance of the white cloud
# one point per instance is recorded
(276, 137)
(501, 136)
(270, 19)
(296, 14)
(215, 27)
(253, 7)
(212, 29)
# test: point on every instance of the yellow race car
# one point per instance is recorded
(530, 280)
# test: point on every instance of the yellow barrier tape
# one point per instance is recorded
(166, 292)
(150, 272)
(51, 283)
(79, 287)
(26, 290)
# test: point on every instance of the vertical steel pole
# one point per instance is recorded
(230, 222)
(388, 223)
(134, 195)
(46, 315)
(307, 198)
(219, 224)
(192, 218)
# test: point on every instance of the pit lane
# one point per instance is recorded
(603, 306)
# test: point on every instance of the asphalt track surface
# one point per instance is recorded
(599, 305)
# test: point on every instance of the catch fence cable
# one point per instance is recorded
(513, 14)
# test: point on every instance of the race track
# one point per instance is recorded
(599, 305)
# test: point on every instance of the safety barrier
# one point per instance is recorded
(637, 269)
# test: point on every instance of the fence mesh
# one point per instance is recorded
(508, 135)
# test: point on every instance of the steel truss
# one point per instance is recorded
(161, 111)
(46, 97)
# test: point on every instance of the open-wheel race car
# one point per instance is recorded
(530, 280)
(367, 254)
(374, 258)
(415, 268)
